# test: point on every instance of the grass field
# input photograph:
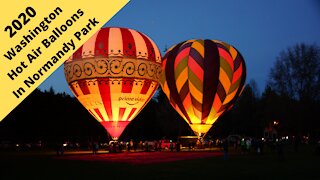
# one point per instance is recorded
(301, 165)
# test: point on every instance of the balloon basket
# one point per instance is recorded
(200, 135)
(200, 141)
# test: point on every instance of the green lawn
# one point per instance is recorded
(41, 165)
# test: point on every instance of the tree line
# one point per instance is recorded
(291, 97)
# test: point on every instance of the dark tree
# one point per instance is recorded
(50, 117)
(296, 73)
(295, 77)
(254, 88)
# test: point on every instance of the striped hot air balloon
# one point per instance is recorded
(202, 79)
(114, 75)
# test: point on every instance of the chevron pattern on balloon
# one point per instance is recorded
(202, 79)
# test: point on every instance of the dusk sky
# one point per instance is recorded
(260, 30)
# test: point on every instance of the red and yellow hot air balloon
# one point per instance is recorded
(202, 79)
(114, 75)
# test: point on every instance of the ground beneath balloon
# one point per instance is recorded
(140, 157)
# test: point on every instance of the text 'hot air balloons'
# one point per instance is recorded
(114, 75)
(202, 79)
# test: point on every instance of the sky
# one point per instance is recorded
(260, 30)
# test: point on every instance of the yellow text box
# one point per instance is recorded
(38, 36)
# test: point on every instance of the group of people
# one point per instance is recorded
(118, 146)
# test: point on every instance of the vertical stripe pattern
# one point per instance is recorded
(114, 75)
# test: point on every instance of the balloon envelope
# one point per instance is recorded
(113, 75)
(202, 79)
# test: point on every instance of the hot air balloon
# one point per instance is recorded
(114, 75)
(202, 79)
